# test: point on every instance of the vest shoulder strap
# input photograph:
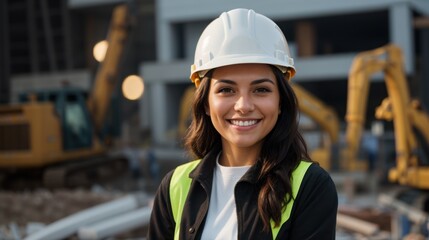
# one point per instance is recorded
(297, 176)
(179, 187)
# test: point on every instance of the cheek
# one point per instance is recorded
(217, 111)
(217, 106)
(271, 106)
(272, 111)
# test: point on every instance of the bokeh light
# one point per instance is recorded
(100, 50)
(133, 87)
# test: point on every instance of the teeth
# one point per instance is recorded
(243, 123)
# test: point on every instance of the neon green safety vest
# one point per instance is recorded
(181, 182)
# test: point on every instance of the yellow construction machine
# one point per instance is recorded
(55, 134)
(410, 122)
(327, 119)
(309, 104)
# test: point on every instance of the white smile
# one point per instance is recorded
(244, 123)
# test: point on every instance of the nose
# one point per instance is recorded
(244, 104)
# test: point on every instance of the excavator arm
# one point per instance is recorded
(326, 118)
(364, 65)
(322, 114)
(107, 74)
(398, 107)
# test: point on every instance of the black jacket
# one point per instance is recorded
(313, 215)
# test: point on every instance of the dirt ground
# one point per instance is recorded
(46, 206)
(26, 209)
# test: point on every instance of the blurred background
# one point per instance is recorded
(95, 100)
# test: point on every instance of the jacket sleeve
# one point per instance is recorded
(161, 225)
(315, 213)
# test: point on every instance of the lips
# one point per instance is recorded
(243, 123)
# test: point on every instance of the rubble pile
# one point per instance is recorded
(24, 210)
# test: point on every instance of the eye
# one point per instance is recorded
(225, 90)
(263, 90)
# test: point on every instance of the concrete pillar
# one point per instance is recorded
(159, 112)
(401, 32)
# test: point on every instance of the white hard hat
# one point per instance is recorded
(241, 36)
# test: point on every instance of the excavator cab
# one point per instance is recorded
(71, 108)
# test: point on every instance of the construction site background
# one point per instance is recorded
(362, 82)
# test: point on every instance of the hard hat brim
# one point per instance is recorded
(240, 59)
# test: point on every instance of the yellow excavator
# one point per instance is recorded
(310, 105)
(326, 118)
(56, 134)
(410, 122)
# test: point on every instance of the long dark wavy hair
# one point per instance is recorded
(283, 148)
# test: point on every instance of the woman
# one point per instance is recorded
(255, 179)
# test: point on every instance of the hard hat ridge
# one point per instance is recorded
(239, 34)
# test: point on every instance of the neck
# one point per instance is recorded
(235, 157)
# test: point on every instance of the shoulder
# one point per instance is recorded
(317, 182)
(317, 179)
(316, 173)
(317, 190)
(315, 208)
(179, 172)
(187, 167)
(174, 178)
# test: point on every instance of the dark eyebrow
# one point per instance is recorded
(254, 82)
(262, 81)
(225, 81)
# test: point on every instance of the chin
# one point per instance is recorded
(246, 144)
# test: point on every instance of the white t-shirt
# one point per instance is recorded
(221, 221)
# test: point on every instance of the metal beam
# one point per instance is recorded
(67, 226)
(67, 35)
(116, 225)
(4, 53)
(32, 36)
(421, 22)
(49, 40)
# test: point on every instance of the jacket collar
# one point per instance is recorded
(204, 171)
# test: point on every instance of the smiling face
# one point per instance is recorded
(243, 104)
